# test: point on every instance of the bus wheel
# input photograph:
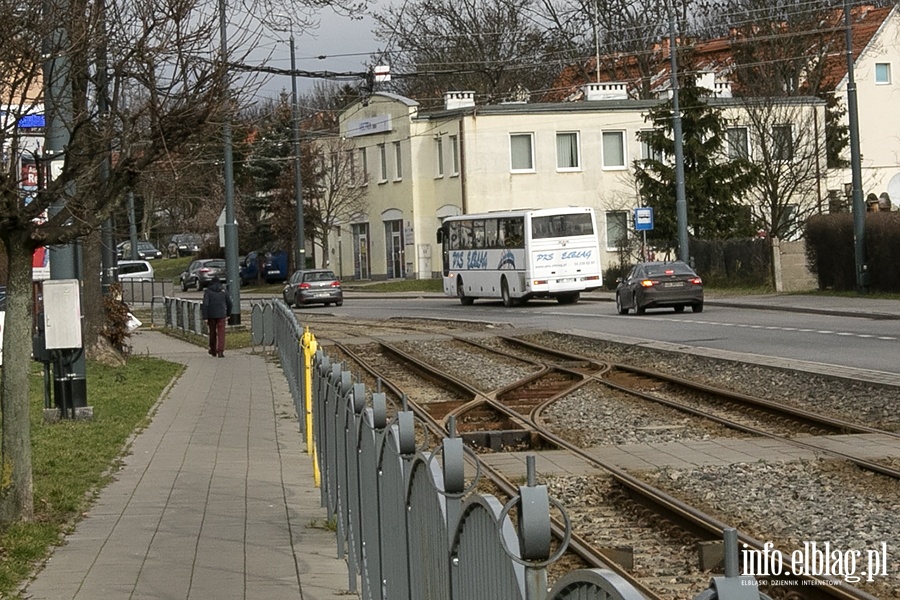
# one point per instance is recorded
(461, 294)
(568, 298)
(508, 301)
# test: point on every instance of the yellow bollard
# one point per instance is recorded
(309, 347)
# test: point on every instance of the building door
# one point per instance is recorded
(393, 236)
(361, 251)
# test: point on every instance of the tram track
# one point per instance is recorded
(520, 402)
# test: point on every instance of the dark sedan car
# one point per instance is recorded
(200, 273)
(659, 284)
(145, 251)
(313, 286)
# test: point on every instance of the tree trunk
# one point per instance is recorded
(92, 292)
(16, 484)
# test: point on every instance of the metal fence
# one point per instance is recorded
(408, 523)
(143, 292)
(179, 313)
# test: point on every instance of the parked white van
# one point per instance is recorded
(135, 270)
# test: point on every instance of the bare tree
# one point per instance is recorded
(789, 153)
(491, 47)
(131, 84)
(332, 191)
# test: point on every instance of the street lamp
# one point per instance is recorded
(231, 243)
(299, 239)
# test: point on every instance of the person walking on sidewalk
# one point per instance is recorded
(215, 308)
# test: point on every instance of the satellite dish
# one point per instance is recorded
(894, 189)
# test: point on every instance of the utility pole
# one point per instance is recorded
(859, 209)
(300, 243)
(70, 382)
(680, 200)
(231, 241)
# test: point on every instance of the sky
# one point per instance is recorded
(346, 44)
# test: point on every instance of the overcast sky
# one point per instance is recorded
(347, 45)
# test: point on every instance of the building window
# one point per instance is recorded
(439, 156)
(738, 139)
(382, 158)
(454, 155)
(613, 149)
(567, 151)
(521, 153)
(647, 152)
(363, 167)
(616, 229)
(782, 142)
(883, 73)
(351, 163)
(398, 162)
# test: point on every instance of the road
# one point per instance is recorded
(844, 341)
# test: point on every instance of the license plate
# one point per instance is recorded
(672, 284)
(566, 280)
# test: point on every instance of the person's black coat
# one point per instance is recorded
(216, 301)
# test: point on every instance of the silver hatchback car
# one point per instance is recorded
(313, 286)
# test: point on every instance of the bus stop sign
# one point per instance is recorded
(643, 219)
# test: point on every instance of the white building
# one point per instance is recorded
(424, 166)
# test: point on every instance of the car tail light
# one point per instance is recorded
(335, 284)
(540, 282)
(204, 270)
(670, 272)
(304, 286)
(696, 280)
(648, 283)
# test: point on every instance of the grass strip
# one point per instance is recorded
(72, 461)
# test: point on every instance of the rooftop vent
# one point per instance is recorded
(458, 100)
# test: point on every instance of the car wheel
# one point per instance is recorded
(698, 308)
(638, 309)
(339, 303)
(461, 294)
(679, 308)
(184, 286)
(619, 308)
(508, 301)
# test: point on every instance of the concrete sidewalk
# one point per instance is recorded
(216, 499)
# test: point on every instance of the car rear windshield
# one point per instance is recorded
(215, 264)
(320, 276)
(670, 269)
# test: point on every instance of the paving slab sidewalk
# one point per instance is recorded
(215, 500)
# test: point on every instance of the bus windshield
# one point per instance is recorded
(554, 226)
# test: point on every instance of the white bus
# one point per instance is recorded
(516, 255)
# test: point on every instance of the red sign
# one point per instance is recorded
(29, 175)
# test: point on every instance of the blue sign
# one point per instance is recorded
(31, 121)
(643, 219)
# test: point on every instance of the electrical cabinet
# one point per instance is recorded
(62, 313)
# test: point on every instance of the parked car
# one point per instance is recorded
(145, 250)
(313, 286)
(184, 244)
(659, 284)
(200, 273)
(271, 267)
(135, 270)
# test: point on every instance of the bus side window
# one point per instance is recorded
(466, 235)
(454, 235)
(513, 232)
(478, 234)
(491, 239)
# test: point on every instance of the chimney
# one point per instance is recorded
(609, 90)
(454, 100)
